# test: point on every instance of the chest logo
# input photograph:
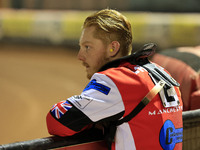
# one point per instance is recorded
(170, 136)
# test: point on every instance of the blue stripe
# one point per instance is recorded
(97, 86)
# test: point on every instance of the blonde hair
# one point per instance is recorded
(111, 26)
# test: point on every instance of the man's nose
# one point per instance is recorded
(80, 55)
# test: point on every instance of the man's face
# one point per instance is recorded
(93, 52)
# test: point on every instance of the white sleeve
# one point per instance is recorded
(100, 99)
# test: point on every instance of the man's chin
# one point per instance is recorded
(89, 75)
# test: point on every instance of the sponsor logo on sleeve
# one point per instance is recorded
(80, 101)
(170, 136)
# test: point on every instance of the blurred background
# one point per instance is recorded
(39, 43)
(167, 23)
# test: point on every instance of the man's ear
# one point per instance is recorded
(114, 48)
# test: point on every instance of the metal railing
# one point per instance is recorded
(191, 130)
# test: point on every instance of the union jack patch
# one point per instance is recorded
(59, 109)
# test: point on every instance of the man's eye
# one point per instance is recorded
(87, 47)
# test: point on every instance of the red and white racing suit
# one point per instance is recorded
(113, 94)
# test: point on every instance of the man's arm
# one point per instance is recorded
(99, 101)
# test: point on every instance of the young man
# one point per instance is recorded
(117, 85)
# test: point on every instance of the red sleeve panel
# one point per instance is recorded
(56, 128)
